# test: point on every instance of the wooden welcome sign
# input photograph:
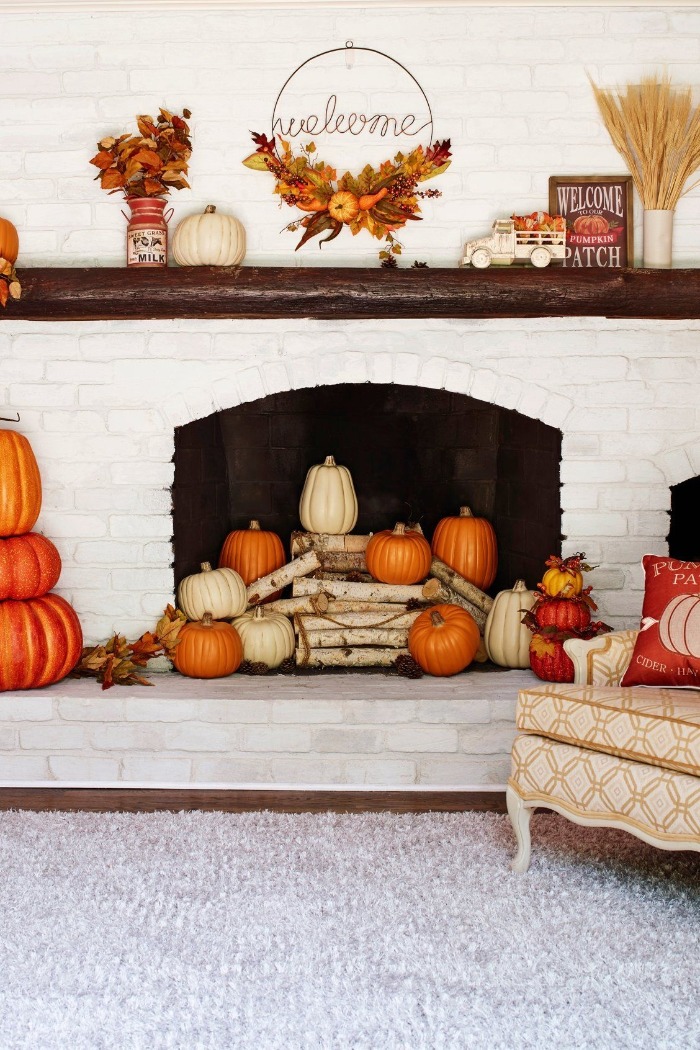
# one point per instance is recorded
(598, 214)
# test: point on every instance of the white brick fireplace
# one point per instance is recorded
(100, 400)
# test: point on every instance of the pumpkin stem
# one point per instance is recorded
(465, 512)
(329, 461)
(415, 526)
(255, 525)
(520, 585)
(399, 529)
(205, 566)
(207, 620)
(259, 613)
(210, 209)
(436, 619)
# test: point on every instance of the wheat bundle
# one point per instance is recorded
(657, 131)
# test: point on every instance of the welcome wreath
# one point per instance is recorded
(380, 200)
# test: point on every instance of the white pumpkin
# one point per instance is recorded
(508, 640)
(220, 592)
(267, 637)
(209, 239)
(328, 502)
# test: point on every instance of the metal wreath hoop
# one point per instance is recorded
(349, 46)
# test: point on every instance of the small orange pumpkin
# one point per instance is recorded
(208, 649)
(444, 640)
(30, 566)
(252, 553)
(468, 545)
(20, 485)
(9, 241)
(563, 578)
(344, 206)
(398, 556)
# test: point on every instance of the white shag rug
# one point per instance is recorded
(372, 932)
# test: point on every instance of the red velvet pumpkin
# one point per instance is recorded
(549, 661)
(20, 485)
(40, 642)
(566, 614)
(30, 566)
(398, 555)
(443, 640)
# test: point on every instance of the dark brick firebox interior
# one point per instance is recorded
(414, 454)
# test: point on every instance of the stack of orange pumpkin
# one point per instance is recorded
(40, 635)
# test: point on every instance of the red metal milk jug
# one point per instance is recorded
(147, 232)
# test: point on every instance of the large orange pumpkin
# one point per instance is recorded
(30, 566)
(252, 553)
(443, 640)
(208, 649)
(20, 485)
(40, 642)
(468, 545)
(398, 556)
(9, 241)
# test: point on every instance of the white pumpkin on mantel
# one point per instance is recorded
(209, 239)
(328, 502)
(507, 640)
(267, 637)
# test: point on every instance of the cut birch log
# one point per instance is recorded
(347, 577)
(342, 561)
(368, 592)
(278, 579)
(313, 603)
(439, 593)
(321, 541)
(337, 621)
(356, 636)
(460, 585)
(348, 657)
(340, 605)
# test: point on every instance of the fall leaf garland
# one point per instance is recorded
(380, 201)
(10, 288)
(117, 662)
(149, 164)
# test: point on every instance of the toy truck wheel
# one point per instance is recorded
(540, 257)
(481, 258)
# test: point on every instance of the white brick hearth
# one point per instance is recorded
(355, 730)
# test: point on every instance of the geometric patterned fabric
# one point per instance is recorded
(598, 786)
(654, 725)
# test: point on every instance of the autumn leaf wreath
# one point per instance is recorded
(380, 201)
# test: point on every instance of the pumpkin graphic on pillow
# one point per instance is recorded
(679, 626)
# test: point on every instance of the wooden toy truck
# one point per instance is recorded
(506, 244)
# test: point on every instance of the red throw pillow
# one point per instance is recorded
(667, 650)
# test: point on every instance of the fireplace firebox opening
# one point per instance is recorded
(415, 454)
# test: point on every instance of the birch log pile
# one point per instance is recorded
(336, 553)
(463, 587)
(356, 636)
(277, 580)
(439, 593)
(371, 656)
(368, 592)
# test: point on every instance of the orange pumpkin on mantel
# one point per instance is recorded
(399, 556)
(444, 640)
(9, 241)
(208, 649)
(468, 545)
(20, 485)
(30, 566)
(41, 642)
(252, 552)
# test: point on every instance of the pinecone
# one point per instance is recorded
(419, 265)
(389, 263)
(407, 667)
(250, 667)
(288, 666)
(353, 577)
(415, 603)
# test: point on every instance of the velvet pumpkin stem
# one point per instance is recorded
(436, 619)
(255, 525)
(399, 529)
(210, 209)
(329, 461)
(465, 512)
(207, 620)
(205, 566)
(259, 613)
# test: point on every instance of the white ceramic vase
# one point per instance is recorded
(658, 238)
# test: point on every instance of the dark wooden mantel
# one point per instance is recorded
(95, 294)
